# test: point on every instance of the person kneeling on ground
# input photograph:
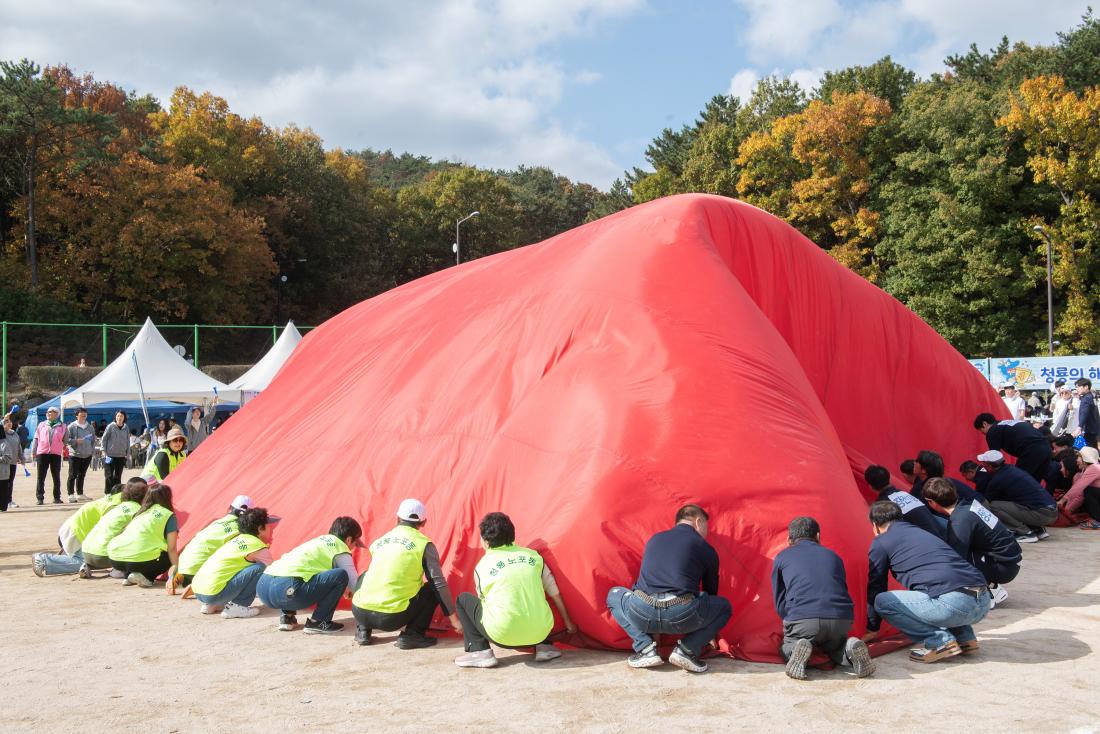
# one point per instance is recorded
(1084, 491)
(146, 547)
(114, 521)
(510, 608)
(206, 541)
(977, 536)
(318, 572)
(226, 582)
(72, 534)
(810, 590)
(392, 594)
(913, 511)
(945, 595)
(1017, 499)
(666, 597)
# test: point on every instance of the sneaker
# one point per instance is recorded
(928, 655)
(210, 608)
(140, 580)
(322, 628)
(1042, 533)
(479, 659)
(859, 656)
(969, 648)
(13, 506)
(287, 622)
(1087, 525)
(59, 502)
(413, 641)
(363, 635)
(796, 665)
(681, 658)
(648, 658)
(116, 574)
(546, 653)
(126, 581)
(236, 611)
(40, 502)
(38, 564)
(81, 497)
(84, 572)
(1027, 538)
(72, 499)
(997, 594)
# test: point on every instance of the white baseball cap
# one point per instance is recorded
(1008, 385)
(242, 502)
(413, 510)
(991, 456)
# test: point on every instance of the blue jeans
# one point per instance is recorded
(241, 589)
(934, 622)
(59, 564)
(324, 590)
(698, 621)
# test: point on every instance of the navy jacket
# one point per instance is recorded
(1018, 438)
(678, 561)
(1012, 484)
(1087, 418)
(808, 582)
(919, 561)
(913, 511)
(973, 531)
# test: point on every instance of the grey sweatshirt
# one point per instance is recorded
(11, 451)
(81, 441)
(116, 441)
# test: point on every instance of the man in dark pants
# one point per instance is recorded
(1017, 438)
(116, 449)
(913, 511)
(1088, 421)
(47, 448)
(810, 591)
(666, 597)
(1017, 499)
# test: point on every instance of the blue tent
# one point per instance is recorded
(103, 413)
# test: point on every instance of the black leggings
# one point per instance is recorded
(414, 619)
(148, 569)
(78, 468)
(1092, 502)
(468, 608)
(112, 473)
(52, 464)
(7, 484)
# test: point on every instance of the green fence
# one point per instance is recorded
(47, 343)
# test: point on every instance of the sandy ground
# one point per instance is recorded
(92, 656)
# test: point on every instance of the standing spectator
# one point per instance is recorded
(160, 434)
(11, 453)
(1064, 407)
(1088, 420)
(197, 428)
(1015, 404)
(47, 448)
(80, 438)
(116, 449)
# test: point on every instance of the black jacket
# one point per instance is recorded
(808, 582)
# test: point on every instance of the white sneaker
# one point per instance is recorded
(210, 609)
(116, 574)
(998, 595)
(140, 580)
(126, 580)
(546, 652)
(13, 506)
(236, 611)
(83, 498)
(479, 659)
(72, 499)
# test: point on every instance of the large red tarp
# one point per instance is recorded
(693, 349)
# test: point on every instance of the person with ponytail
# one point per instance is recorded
(147, 547)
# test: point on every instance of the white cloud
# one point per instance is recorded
(742, 84)
(807, 78)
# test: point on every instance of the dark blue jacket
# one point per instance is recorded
(678, 561)
(1018, 438)
(919, 561)
(808, 582)
(1012, 484)
(913, 511)
(973, 531)
(1087, 418)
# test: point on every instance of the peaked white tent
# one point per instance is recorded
(164, 376)
(264, 371)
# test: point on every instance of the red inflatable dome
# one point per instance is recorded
(693, 349)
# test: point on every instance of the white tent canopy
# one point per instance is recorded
(264, 371)
(164, 376)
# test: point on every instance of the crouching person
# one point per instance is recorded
(72, 534)
(227, 581)
(510, 608)
(944, 594)
(667, 598)
(318, 572)
(114, 521)
(146, 547)
(811, 596)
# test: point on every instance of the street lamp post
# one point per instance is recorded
(1050, 291)
(279, 300)
(458, 240)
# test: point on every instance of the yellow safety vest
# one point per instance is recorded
(309, 559)
(225, 563)
(84, 519)
(174, 460)
(110, 525)
(205, 542)
(396, 571)
(143, 539)
(513, 602)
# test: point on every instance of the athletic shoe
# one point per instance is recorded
(681, 658)
(796, 664)
(997, 594)
(84, 572)
(126, 581)
(58, 502)
(1041, 533)
(859, 656)
(81, 497)
(140, 580)
(1087, 525)
(321, 628)
(1027, 538)
(288, 622)
(479, 659)
(969, 648)
(928, 655)
(40, 502)
(38, 564)
(210, 608)
(648, 658)
(414, 641)
(116, 574)
(13, 506)
(236, 611)
(363, 635)
(545, 653)
(72, 499)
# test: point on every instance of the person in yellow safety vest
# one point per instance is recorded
(226, 582)
(146, 548)
(317, 572)
(510, 608)
(206, 541)
(167, 457)
(72, 533)
(114, 521)
(392, 594)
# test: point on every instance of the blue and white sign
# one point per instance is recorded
(1040, 373)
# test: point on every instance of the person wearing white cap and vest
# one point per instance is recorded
(392, 594)
(206, 541)
(510, 608)
(1017, 499)
(167, 457)
(47, 449)
(317, 572)
(227, 581)
(146, 548)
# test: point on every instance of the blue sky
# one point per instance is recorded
(579, 85)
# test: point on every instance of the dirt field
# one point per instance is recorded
(92, 656)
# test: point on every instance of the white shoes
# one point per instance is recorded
(544, 653)
(139, 579)
(210, 609)
(236, 611)
(116, 574)
(72, 499)
(998, 594)
(13, 506)
(479, 659)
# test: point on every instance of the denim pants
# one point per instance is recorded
(698, 621)
(324, 590)
(241, 589)
(59, 564)
(934, 622)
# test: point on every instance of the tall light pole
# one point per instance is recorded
(1050, 291)
(458, 240)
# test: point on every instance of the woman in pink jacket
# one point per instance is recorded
(1085, 492)
(47, 449)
